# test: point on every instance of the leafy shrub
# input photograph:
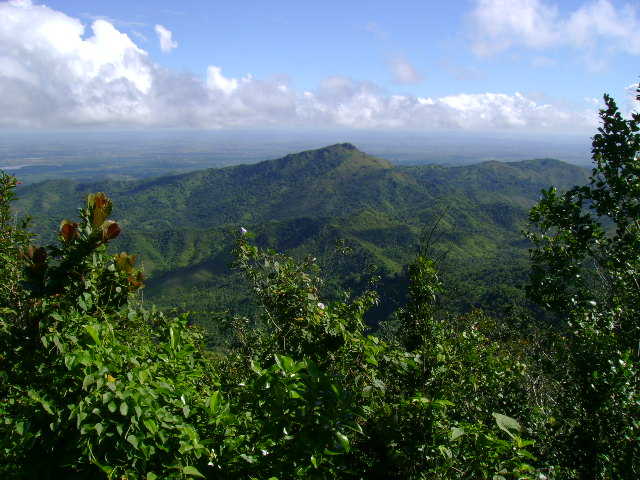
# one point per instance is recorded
(94, 382)
(91, 381)
(586, 268)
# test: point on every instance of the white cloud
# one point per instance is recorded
(165, 37)
(352, 104)
(51, 75)
(55, 73)
(217, 81)
(600, 20)
(403, 71)
(140, 35)
(596, 102)
(501, 24)
(633, 98)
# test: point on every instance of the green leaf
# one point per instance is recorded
(151, 425)
(507, 424)
(214, 401)
(255, 367)
(45, 404)
(124, 409)
(442, 403)
(88, 380)
(192, 471)
(69, 361)
(92, 330)
(57, 343)
(112, 406)
(372, 360)
(344, 441)
(133, 441)
(151, 476)
(173, 341)
(331, 452)
(524, 453)
(278, 361)
(456, 433)
(445, 451)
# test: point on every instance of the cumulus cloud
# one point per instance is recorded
(55, 72)
(51, 75)
(501, 24)
(217, 81)
(165, 37)
(600, 20)
(403, 71)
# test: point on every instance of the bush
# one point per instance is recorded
(94, 383)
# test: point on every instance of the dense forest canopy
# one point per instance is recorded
(312, 202)
(95, 382)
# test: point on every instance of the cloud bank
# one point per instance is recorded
(57, 73)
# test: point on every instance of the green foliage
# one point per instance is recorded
(303, 204)
(586, 267)
(93, 384)
(13, 239)
(418, 317)
(390, 403)
(90, 381)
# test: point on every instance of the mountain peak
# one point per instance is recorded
(342, 146)
(339, 156)
(339, 149)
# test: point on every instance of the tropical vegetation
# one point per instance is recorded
(95, 382)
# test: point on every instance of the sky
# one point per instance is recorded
(467, 65)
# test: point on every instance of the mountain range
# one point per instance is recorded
(377, 214)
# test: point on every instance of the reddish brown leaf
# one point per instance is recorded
(110, 230)
(68, 230)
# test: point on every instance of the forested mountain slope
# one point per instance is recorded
(306, 203)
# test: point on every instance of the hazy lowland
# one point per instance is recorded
(138, 154)
(306, 306)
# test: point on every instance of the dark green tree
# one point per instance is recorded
(586, 268)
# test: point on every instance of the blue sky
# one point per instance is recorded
(482, 64)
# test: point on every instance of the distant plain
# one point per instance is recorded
(135, 154)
